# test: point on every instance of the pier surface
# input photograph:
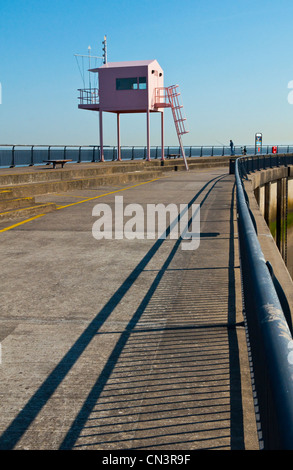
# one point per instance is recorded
(125, 344)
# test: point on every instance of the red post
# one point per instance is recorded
(162, 135)
(118, 138)
(101, 136)
(148, 136)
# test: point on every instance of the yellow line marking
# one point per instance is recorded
(67, 195)
(21, 223)
(107, 194)
(25, 208)
(79, 202)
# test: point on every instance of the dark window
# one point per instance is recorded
(126, 83)
(142, 83)
(133, 83)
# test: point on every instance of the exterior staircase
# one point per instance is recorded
(168, 97)
(13, 207)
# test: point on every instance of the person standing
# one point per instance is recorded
(232, 147)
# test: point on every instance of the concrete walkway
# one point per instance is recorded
(125, 344)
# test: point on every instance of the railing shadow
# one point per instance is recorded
(173, 378)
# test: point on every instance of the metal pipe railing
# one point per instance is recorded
(268, 332)
(33, 154)
(88, 96)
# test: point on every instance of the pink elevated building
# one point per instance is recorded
(133, 87)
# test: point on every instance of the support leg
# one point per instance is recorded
(118, 138)
(148, 137)
(162, 136)
(183, 152)
(101, 137)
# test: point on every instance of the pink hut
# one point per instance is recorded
(133, 87)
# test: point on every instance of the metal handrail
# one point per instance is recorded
(33, 154)
(88, 95)
(268, 332)
(30, 154)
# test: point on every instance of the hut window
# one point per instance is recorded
(132, 83)
(142, 83)
(126, 83)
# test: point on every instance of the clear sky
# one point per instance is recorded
(233, 61)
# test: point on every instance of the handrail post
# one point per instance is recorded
(12, 157)
(32, 156)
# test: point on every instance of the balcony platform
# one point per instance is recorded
(92, 107)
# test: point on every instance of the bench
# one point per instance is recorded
(174, 155)
(55, 162)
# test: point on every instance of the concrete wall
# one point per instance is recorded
(270, 176)
(273, 190)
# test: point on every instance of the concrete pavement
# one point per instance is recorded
(125, 344)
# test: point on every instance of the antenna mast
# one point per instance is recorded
(89, 51)
(105, 50)
(89, 57)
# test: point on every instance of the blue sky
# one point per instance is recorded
(233, 61)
